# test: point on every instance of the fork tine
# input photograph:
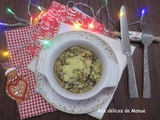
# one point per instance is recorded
(141, 25)
(148, 29)
(145, 28)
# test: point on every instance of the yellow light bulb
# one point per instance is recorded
(76, 26)
(121, 14)
(6, 53)
(35, 19)
(91, 26)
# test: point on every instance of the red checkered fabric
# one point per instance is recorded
(19, 57)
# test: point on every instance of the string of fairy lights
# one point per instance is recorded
(43, 12)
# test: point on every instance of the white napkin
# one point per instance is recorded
(116, 47)
(121, 58)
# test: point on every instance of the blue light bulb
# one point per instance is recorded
(143, 11)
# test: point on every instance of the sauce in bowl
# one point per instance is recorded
(77, 69)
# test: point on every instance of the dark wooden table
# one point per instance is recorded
(120, 101)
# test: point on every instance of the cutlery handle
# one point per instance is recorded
(146, 76)
(133, 92)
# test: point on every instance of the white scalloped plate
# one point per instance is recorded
(76, 106)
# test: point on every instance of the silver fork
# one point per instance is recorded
(147, 39)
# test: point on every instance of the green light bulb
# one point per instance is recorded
(45, 42)
(10, 11)
(39, 8)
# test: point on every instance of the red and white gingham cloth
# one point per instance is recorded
(35, 105)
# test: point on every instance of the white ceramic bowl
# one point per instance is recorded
(52, 54)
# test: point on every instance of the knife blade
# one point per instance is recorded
(133, 92)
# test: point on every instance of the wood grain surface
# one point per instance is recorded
(120, 101)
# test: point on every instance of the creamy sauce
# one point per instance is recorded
(77, 69)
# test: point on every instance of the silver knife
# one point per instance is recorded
(133, 93)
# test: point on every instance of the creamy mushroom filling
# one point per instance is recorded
(77, 69)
